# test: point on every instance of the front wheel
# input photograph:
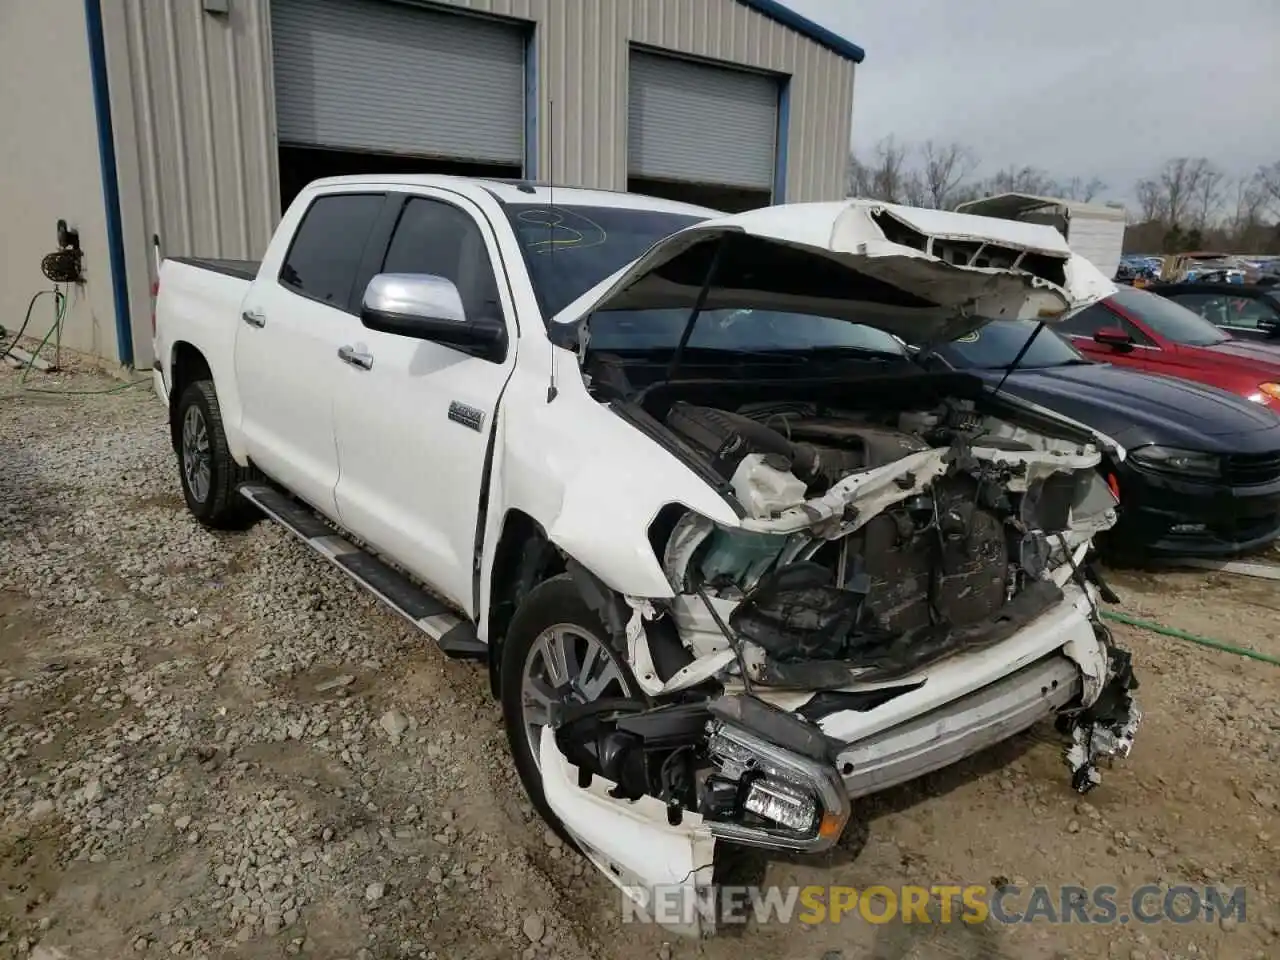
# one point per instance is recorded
(209, 474)
(555, 651)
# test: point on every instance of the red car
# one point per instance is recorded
(1142, 331)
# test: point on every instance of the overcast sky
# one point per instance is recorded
(1106, 88)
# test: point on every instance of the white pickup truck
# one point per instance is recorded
(733, 559)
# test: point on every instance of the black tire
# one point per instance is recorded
(221, 507)
(555, 601)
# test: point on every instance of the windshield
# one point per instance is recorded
(569, 249)
(1169, 319)
(995, 346)
(739, 331)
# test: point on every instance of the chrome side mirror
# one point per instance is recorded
(419, 296)
(428, 307)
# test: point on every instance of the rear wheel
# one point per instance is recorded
(555, 651)
(209, 474)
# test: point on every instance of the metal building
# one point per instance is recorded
(198, 120)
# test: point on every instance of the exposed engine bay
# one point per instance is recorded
(873, 544)
(947, 525)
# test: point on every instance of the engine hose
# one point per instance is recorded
(1190, 637)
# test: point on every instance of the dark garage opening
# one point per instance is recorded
(300, 165)
(717, 197)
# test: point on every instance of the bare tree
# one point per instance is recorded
(1268, 181)
(946, 166)
(1249, 205)
(887, 175)
(1082, 190)
(1031, 180)
(1208, 195)
(859, 178)
(914, 191)
(888, 171)
(1178, 192)
(1151, 201)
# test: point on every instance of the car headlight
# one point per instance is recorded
(1173, 460)
(1266, 391)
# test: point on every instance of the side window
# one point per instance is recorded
(1253, 313)
(1139, 338)
(325, 253)
(1088, 321)
(1212, 306)
(1097, 317)
(438, 238)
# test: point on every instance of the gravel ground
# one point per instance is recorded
(216, 746)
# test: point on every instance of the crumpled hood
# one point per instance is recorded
(921, 275)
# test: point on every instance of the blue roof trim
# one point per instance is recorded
(806, 27)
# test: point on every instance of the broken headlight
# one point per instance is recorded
(699, 551)
(765, 795)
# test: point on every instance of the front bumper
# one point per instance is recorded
(961, 728)
(1173, 517)
(1064, 665)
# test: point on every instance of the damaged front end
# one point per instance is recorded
(928, 597)
(907, 582)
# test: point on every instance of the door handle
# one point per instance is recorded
(253, 318)
(354, 357)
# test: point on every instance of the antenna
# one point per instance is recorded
(552, 390)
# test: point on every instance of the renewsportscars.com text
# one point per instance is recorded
(940, 903)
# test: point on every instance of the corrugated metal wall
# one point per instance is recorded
(193, 110)
(583, 49)
(193, 107)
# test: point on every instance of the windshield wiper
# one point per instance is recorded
(845, 349)
(1073, 362)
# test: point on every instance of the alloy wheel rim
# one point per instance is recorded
(197, 465)
(565, 664)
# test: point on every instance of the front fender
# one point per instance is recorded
(595, 483)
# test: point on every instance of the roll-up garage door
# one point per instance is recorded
(701, 124)
(394, 78)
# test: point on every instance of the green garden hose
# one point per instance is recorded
(59, 314)
(1190, 637)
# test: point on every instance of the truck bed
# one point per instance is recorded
(241, 269)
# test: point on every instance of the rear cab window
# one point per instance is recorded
(325, 254)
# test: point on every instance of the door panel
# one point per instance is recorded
(413, 428)
(286, 341)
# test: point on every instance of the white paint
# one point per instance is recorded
(630, 841)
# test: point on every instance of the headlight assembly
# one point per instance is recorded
(1192, 463)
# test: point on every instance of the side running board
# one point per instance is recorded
(455, 636)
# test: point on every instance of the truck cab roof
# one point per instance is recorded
(519, 191)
